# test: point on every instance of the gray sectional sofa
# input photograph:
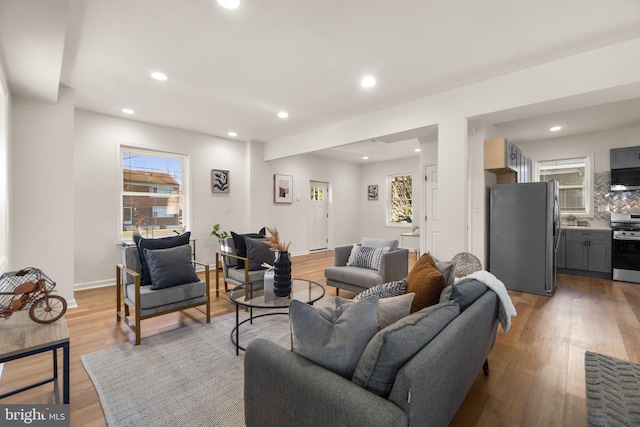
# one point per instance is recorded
(282, 388)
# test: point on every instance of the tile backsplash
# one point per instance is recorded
(607, 201)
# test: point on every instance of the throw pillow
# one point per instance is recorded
(170, 267)
(333, 338)
(392, 244)
(390, 309)
(391, 348)
(162, 243)
(447, 268)
(258, 253)
(426, 281)
(366, 257)
(241, 248)
(386, 290)
(467, 292)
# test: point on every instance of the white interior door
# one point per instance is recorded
(431, 208)
(318, 215)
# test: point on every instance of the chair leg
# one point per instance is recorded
(485, 367)
(337, 291)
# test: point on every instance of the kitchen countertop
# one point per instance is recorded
(590, 227)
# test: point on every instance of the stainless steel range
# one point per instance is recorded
(626, 246)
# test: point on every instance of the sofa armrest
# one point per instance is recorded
(284, 389)
(394, 265)
(341, 255)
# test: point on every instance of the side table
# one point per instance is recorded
(22, 337)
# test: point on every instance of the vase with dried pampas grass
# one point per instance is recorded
(281, 264)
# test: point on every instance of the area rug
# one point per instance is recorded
(613, 391)
(186, 377)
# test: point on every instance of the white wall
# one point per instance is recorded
(373, 212)
(42, 208)
(96, 192)
(344, 212)
(4, 173)
(596, 144)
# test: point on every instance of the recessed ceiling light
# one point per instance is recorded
(365, 157)
(555, 128)
(368, 81)
(232, 133)
(229, 4)
(128, 111)
(417, 150)
(159, 76)
(283, 114)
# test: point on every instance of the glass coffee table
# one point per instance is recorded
(253, 295)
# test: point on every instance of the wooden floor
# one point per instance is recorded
(537, 368)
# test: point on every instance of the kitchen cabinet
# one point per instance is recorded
(507, 161)
(622, 158)
(588, 250)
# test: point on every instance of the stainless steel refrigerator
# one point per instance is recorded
(524, 232)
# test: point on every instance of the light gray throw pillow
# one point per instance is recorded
(390, 309)
(391, 348)
(333, 338)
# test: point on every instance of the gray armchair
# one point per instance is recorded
(393, 266)
(163, 296)
(238, 270)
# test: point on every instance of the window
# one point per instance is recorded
(574, 181)
(317, 194)
(400, 208)
(153, 196)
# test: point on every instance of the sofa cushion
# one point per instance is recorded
(467, 292)
(258, 253)
(170, 267)
(380, 243)
(392, 347)
(390, 309)
(241, 248)
(354, 275)
(386, 290)
(426, 281)
(333, 337)
(150, 298)
(162, 243)
(366, 257)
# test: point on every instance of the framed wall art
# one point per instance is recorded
(372, 192)
(219, 181)
(283, 188)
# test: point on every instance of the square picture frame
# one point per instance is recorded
(282, 188)
(219, 181)
(372, 192)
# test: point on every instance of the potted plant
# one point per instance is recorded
(571, 219)
(219, 235)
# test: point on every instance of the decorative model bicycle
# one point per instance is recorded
(30, 287)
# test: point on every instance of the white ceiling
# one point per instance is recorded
(235, 69)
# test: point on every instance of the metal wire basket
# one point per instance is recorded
(12, 280)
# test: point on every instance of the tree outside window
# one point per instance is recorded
(400, 200)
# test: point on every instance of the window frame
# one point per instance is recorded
(125, 236)
(588, 184)
(389, 202)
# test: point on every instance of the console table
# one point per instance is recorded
(22, 337)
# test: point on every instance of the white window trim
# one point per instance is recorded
(186, 183)
(589, 184)
(388, 222)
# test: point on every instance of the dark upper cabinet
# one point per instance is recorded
(622, 158)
